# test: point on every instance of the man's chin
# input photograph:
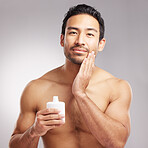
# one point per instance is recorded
(76, 61)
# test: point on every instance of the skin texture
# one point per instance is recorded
(97, 103)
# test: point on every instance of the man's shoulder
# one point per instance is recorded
(51, 76)
(37, 89)
(102, 75)
(119, 87)
(44, 81)
(47, 80)
(113, 81)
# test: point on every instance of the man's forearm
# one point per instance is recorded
(109, 132)
(25, 140)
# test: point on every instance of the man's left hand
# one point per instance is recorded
(82, 79)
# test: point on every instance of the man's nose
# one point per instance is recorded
(80, 40)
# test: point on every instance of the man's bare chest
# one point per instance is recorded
(74, 119)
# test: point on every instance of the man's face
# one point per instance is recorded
(81, 37)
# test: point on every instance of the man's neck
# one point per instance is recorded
(70, 70)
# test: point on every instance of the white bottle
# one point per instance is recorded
(58, 105)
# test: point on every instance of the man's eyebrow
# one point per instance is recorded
(92, 29)
(75, 28)
(69, 28)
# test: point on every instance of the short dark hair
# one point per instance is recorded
(84, 9)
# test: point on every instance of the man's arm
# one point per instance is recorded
(111, 128)
(30, 126)
(26, 138)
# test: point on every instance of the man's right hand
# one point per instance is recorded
(46, 120)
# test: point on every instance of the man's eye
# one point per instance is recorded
(90, 34)
(72, 33)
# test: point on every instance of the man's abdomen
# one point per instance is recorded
(72, 139)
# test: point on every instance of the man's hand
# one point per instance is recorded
(46, 119)
(83, 77)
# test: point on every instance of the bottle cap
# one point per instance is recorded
(55, 99)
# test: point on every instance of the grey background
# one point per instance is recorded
(29, 47)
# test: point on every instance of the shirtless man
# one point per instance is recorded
(97, 103)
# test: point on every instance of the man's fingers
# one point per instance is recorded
(88, 64)
(53, 117)
(53, 122)
(91, 61)
(48, 111)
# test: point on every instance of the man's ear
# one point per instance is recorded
(101, 44)
(62, 40)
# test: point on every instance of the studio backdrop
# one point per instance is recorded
(30, 47)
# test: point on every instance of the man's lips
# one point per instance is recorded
(79, 50)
